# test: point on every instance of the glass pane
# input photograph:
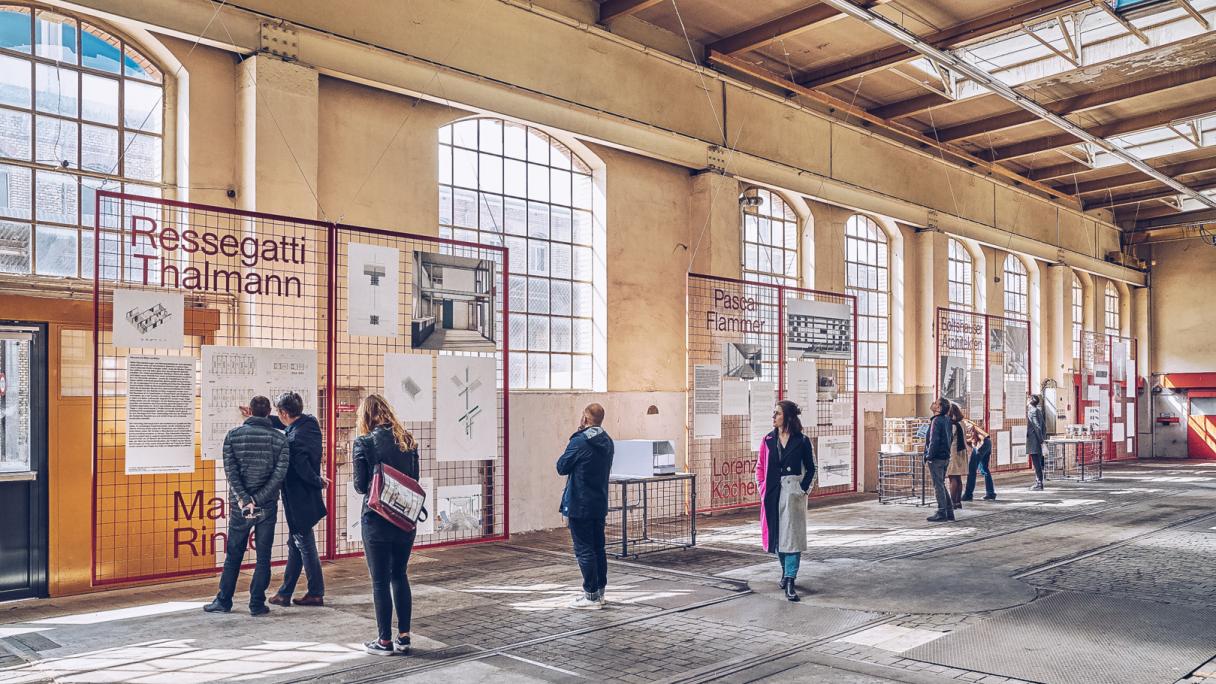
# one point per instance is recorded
(515, 218)
(538, 220)
(445, 165)
(491, 135)
(519, 294)
(142, 159)
(538, 371)
(14, 76)
(538, 146)
(538, 295)
(561, 334)
(56, 250)
(57, 198)
(16, 140)
(14, 247)
(100, 149)
(55, 36)
(582, 336)
(560, 186)
(445, 205)
(464, 208)
(56, 141)
(582, 227)
(514, 143)
(15, 29)
(55, 90)
(99, 99)
(138, 66)
(538, 182)
(17, 367)
(582, 299)
(515, 178)
(560, 224)
(560, 155)
(538, 333)
(98, 49)
(582, 263)
(490, 173)
(538, 257)
(517, 249)
(582, 373)
(559, 372)
(561, 260)
(464, 168)
(560, 301)
(464, 134)
(582, 191)
(519, 333)
(16, 191)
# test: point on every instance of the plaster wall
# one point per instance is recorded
(1182, 329)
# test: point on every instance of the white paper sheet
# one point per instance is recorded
(1130, 388)
(842, 413)
(1017, 434)
(834, 456)
(1004, 447)
(975, 381)
(459, 509)
(1131, 446)
(763, 401)
(428, 485)
(706, 402)
(1118, 432)
(373, 277)
(802, 380)
(160, 415)
(409, 386)
(1092, 392)
(1104, 409)
(1015, 398)
(1093, 418)
(150, 319)
(1117, 407)
(231, 376)
(466, 409)
(1102, 375)
(996, 420)
(1119, 359)
(734, 397)
(354, 511)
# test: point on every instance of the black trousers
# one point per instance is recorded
(588, 537)
(937, 471)
(386, 563)
(302, 555)
(1037, 461)
(238, 540)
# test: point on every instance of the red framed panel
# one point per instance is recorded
(1009, 354)
(1094, 408)
(286, 297)
(738, 326)
(1123, 399)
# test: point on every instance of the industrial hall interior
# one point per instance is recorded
(845, 341)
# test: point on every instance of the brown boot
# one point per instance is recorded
(309, 600)
(280, 600)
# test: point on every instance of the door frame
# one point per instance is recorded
(39, 460)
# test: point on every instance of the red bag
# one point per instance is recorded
(397, 497)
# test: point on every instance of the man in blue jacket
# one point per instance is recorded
(586, 464)
(303, 500)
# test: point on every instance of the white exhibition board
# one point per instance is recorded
(466, 409)
(409, 386)
(835, 460)
(160, 415)
(149, 319)
(763, 403)
(706, 402)
(234, 375)
(373, 278)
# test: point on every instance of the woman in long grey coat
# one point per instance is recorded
(1036, 433)
(785, 470)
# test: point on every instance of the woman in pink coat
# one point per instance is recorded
(785, 470)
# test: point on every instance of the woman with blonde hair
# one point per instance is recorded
(383, 440)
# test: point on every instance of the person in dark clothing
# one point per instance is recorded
(303, 501)
(937, 455)
(1036, 433)
(586, 463)
(785, 470)
(255, 462)
(386, 547)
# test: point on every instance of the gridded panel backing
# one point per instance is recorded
(649, 514)
(739, 326)
(1008, 349)
(1095, 408)
(1123, 354)
(962, 365)
(467, 500)
(247, 281)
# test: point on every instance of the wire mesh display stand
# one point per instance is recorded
(739, 327)
(1094, 409)
(984, 365)
(902, 474)
(648, 514)
(273, 288)
(1074, 459)
(1123, 399)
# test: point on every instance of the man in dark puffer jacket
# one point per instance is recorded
(255, 462)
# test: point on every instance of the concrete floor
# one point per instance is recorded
(885, 590)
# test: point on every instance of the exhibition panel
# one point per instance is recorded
(1107, 392)
(751, 344)
(197, 309)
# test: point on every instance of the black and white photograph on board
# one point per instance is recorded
(953, 381)
(454, 300)
(743, 360)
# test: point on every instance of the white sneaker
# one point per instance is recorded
(584, 603)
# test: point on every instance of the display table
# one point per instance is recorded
(902, 477)
(1074, 458)
(647, 514)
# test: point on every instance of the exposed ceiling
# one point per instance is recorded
(1144, 82)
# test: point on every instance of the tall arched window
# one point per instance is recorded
(960, 283)
(1078, 318)
(770, 238)
(868, 277)
(80, 110)
(1017, 301)
(1113, 324)
(505, 183)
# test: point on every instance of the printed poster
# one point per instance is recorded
(372, 284)
(1118, 432)
(816, 330)
(1017, 434)
(802, 381)
(151, 319)
(160, 415)
(1015, 398)
(1004, 448)
(409, 386)
(231, 376)
(763, 403)
(466, 409)
(459, 510)
(706, 402)
(996, 420)
(734, 397)
(834, 459)
(1093, 418)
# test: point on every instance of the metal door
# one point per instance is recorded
(23, 460)
(1201, 425)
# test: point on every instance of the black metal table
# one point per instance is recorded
(648, 514)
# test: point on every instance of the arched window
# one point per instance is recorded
(1078, 318)
(770, 238)
(868, 277)
(960, 283)
(508, 184)
(80, 110)
(1113, 324)
(1017, 302)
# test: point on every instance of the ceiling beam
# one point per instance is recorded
(1160, 117)
(905, 134)
(809, 17)
(615, 9)
(1136, 177)
(1081, 103)
(949, 37)
(1103, 200)
(1186, 218)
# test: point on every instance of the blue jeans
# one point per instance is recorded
(587, 534)
(302, 555)
(979, 461)
(789, 563)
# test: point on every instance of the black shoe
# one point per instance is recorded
(216, 607)
(790, 593)
(938, 517)
(966, 498)
(784, 581)
(1036, 487)
(956, 505)
(259, 610)
(402, 645)
(990, 497)
(374, 647)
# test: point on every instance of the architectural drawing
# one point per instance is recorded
(459, 509)
(453, 304)
(145, 319)
(372, 283)
(409, 386)
(467, 409)
(150, 319)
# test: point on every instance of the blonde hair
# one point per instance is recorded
(375, 412)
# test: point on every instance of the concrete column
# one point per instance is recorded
(715, 226)
(829, 246)
(990, 281)
(1056, 325)
(931, 266)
